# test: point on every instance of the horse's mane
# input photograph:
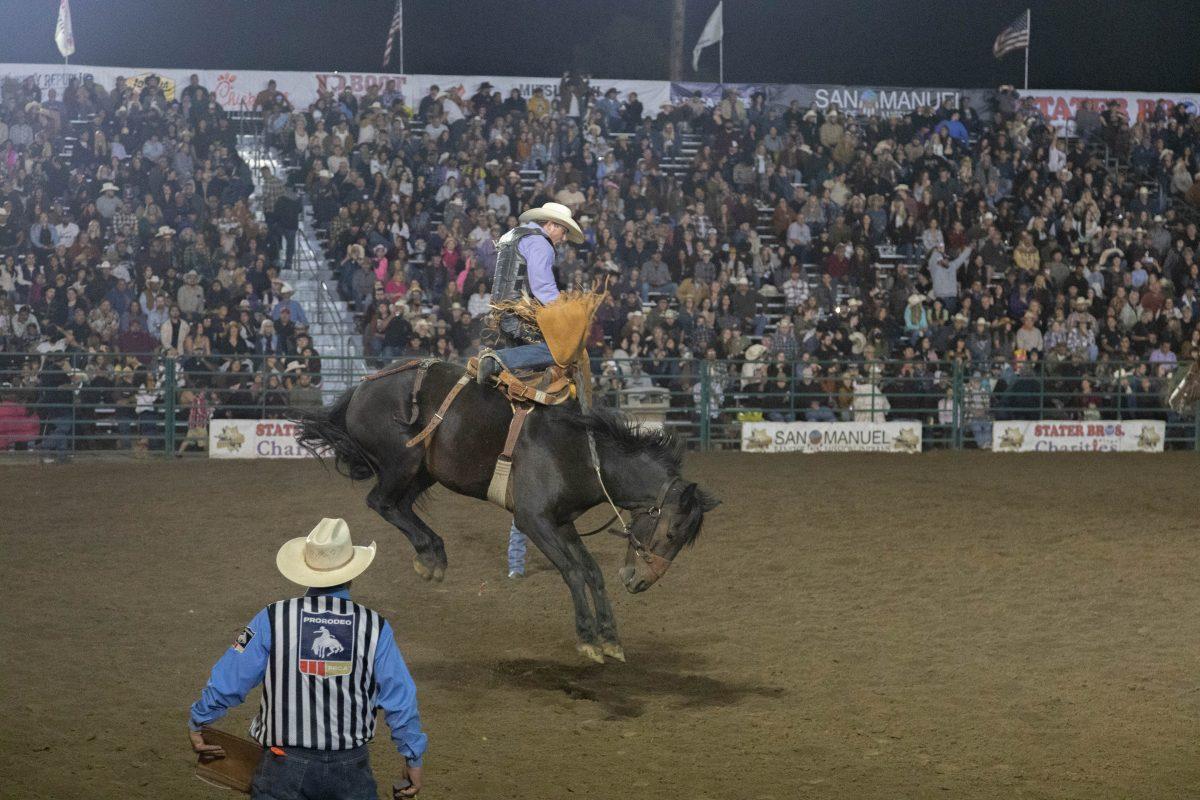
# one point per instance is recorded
(630, 437)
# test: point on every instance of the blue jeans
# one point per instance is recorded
(982, 433)
(527, 356)
(516, 550)
(58, 435)
(304, 773)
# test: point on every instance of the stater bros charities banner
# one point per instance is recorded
(1060, 105)
(831, 437)
(254, 438)
(236, 89)
(1048, 436)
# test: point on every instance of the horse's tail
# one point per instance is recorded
(325, 430)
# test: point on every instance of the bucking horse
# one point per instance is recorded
(564, 461)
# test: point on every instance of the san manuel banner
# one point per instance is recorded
(831, 437)
(1099, 436)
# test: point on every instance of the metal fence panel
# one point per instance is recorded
(57, 404)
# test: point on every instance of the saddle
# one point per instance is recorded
(523, 389)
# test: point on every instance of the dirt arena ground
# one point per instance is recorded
(948, 625)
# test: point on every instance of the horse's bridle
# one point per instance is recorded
(658, 565)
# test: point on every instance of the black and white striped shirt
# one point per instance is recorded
(319, 689)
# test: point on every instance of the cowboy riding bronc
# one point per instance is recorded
(524, 265)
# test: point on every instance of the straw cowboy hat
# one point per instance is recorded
(326, 557)
(109, 186)
(555, 212)
(165, 230)
(916, 299)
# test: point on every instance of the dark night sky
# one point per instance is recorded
(1102, 44)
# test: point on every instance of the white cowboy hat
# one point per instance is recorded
(755, 352)
(285, 288)
(326, 557)
(916, 299)
(555, 212)
(109, 186)
(165, 230)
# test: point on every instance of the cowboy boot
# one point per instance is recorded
(489, 367)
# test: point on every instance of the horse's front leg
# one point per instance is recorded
(606, 622)
(551, 541)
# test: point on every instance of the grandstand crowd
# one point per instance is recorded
(813, 264)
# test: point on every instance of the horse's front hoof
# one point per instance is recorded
(590, 651)
(425, 572)
(439, 574)
(613, 650)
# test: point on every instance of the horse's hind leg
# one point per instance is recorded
(393, 498)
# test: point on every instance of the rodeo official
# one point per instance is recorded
(326, 664)
(525, 262)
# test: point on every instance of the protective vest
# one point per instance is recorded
(512, 275)
(319, 690)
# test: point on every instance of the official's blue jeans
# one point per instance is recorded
(304, 773)
(527, 356)
(516, 550)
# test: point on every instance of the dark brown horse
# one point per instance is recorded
(554, 479)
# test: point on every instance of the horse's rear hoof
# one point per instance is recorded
(439, 574)
(613, 650)
(425, 572)
(590, 651)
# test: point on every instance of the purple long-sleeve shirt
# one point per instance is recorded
(539, 261)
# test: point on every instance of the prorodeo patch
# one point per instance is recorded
(243, 639)
(326, 644)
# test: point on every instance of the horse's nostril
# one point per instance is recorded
(625, 574)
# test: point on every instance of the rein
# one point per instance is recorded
(658, 564)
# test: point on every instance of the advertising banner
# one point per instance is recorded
(236, 89)
(253, 438)
(1060, 105)
(831, 437)
(1100, 436)
(856, 100)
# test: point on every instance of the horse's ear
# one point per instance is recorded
(707, 501)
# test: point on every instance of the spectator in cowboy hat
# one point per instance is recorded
(286, 303)
(325, 642)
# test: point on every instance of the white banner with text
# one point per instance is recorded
(831, 437)
(1099, 436)
(237, 88)
(254, 438)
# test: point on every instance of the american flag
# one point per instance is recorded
(395, 33)
(1014, 37)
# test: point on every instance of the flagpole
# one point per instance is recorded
(1028, 42)
(400, 4)
(721, 48)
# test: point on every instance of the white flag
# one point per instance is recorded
(714, 29)
(64, 37)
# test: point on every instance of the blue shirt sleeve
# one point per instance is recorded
(398, 698)
(539, 259)
(235, 674)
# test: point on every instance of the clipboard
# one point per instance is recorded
(234, 771)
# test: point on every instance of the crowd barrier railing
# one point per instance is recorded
(55, 404)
